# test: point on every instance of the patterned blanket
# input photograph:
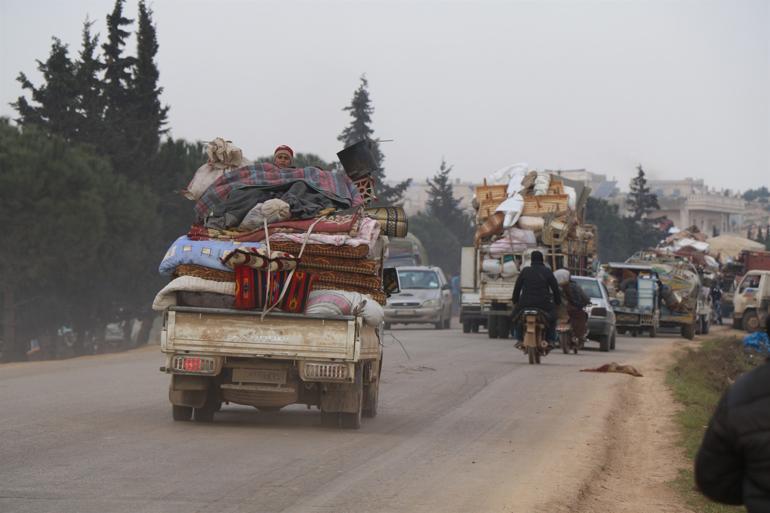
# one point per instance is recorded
(347, 224)
(335, 186)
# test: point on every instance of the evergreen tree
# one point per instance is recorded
(361, 111)
(443, 205)
(148, 116)
(640, 200)
(619, 237)
(54, 107)
(117, 80)
(90, 99)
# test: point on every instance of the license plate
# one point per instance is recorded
(277, 377)
(404, 312)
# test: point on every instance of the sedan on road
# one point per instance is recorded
(425, 297)
(601, 318)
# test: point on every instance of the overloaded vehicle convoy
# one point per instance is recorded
(277, 290)
(519, 211)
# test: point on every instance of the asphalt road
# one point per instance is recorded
(465, 424)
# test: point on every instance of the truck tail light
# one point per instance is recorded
(194, 364)
(599, 312)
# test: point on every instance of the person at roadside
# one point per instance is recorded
(716, 301)
(536, 287)
(576, 300)
(732, 463)
(283, 156)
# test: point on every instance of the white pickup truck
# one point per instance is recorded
(234, 356)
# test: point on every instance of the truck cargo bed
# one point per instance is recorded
(280, 335)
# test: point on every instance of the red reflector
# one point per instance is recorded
(192, 364)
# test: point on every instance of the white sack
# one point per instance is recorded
(534, 224)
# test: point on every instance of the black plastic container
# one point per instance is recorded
(358, 160)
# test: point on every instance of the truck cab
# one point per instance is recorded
(751, 301)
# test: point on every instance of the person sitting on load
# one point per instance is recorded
(536, 287)
(283, 156)
(576, 300)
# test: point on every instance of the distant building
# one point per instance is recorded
(677, 188)
(416, 195)
(689, 202)
(600, 186)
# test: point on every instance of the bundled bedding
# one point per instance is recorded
(294, 240)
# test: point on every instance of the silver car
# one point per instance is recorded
(601, 317)
(425, 297)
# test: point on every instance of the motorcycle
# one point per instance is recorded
(567, 339)
(534, 324)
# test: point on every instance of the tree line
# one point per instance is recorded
(88, 187)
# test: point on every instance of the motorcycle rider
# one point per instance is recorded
(536, 287)
(576, 300)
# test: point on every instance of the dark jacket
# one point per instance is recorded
(536, 287)
(733, 462)
(576, 296)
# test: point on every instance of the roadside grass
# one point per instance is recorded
(698, 379)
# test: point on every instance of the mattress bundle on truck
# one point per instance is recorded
(276, 291)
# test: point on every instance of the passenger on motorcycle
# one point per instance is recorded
(576, 300)
(536, 287)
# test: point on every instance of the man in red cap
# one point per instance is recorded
(283, 156)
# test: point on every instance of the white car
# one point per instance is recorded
(601, 317)
(424, 297)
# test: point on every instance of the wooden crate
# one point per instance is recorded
(544, 205)
(489, 198)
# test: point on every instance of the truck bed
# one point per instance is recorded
(242, 333)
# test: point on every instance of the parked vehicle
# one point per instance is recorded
(424, 297)
(634, 299)
(601, 315)
(471, 315)
(752, 301)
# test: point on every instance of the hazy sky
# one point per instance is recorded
(681, 86)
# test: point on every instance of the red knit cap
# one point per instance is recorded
(285, 148)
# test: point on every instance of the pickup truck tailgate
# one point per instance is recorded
(243, 333)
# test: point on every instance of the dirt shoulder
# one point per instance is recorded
(642, 454)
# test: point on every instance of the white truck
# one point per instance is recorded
(752, 301)
(471, 315)
(222, 355)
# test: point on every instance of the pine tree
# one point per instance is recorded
(117, 79)
(640, 200)
(148, 116)
(443, 205)
(90, 98)
(361, 111)
(54, 103)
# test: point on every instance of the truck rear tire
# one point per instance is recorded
(467, 326)
(181, 413)
(212, 405)
(653, 331)
(372, 393)
(492, 328)
(475, 327)
(612, 340)
(503, 328)
(688, 331)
